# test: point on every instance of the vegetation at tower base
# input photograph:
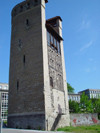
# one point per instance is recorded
(83, 129)
(85, 106)
(70, 88)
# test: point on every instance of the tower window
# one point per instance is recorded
(58, 45)
(24, 59)
(20, 44)
(48, 38)
(28, 5)
(21, 8)
(17, 84)
(15, 12)
(27, 22)
(53, 42)
(35, 1)
(51, 81)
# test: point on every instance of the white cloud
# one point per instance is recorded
(86, 46)
(90, 59)
(84, 25)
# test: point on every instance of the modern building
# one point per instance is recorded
(74, 97)
(4, 100)
(37, 79)
(91, 93)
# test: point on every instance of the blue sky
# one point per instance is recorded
(81, 33)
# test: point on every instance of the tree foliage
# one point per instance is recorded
(74, 106)
(95, 105)
(70, 88)
(86, 105)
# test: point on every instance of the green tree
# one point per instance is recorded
(95, 105)
(74, 106)
(85, 103)
(70, 88)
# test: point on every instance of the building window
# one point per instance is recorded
(27, 5)
(35, 2)
(53, 42)
(68, 98)
(17, 84)
(15, 12)
(27, 22)
(5, 87)
(0, 86)
(4, 105)
(51, 81)
(21, 8)
(79, 98)
(58, 46)
(24, 59)
(20, 44)
(48, 38)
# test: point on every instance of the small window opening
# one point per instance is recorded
(15, 12)
(35, 1)
(28, 5)
(51, 81)
(20, 44)
(17, 84)
(24, 59)
(27, 22)
(21, 8)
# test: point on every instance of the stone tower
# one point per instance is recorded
(37, 79)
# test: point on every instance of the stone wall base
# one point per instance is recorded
(36, 121)
(84, 119)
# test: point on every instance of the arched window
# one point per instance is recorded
(27, 5)
(21, 8)
(20, 44)
(51, 81)
(35, 1)
(27, 22)
(17, 84)
(24, 59)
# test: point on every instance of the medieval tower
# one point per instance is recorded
(37, 79)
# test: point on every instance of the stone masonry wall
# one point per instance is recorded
(34, 121)
(84, 119)
(55, 69)
(26, 68)
(28, 95)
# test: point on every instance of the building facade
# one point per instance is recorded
(37, 79)
(74, 97)
(91, 93)
(4, 101)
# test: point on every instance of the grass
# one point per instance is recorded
(81, 129)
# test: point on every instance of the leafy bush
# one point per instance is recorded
(86, 105)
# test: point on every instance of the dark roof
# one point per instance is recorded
(73, 94)
(53, 31)
(46, 1)
(54, 18)
(89, 90)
